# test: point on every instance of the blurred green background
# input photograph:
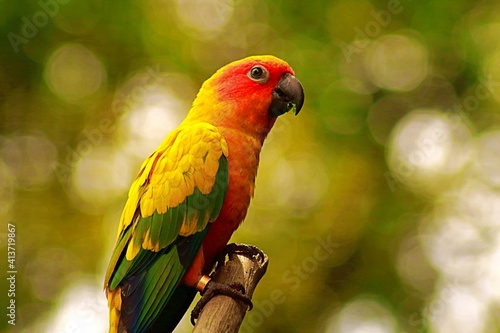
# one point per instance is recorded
(379, 205)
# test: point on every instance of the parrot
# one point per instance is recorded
(193, 192)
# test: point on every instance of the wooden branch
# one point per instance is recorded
(223, 313)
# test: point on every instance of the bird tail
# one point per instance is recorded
(174, 310)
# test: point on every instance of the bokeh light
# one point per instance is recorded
(146, 124)
(82, 310)
(363, 315)
(206, 18)
(426, 146)
(488, 158)
(101, 177)
(397, 62)
(74, 73)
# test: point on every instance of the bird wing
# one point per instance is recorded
(179, 190)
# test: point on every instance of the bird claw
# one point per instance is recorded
(248, 250)
(213, 288)
(233, 290)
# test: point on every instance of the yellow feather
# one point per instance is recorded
(170, 165)
(184, 164)
(177, 149)
(186, 159)
(211, 164)
(197, 150)
(199, 180)
(115, 305)
(148, 195)
(197, 163)
(147, 206)
(175, 178)
(176, 197)
(189, 224)
(165, 190)
(207, 184)
(225, 149)
(161, 203)
(190, 183)
(158, 179)
(207, 138)
(132, 249)
(148, 244)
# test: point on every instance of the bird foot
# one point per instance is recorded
(209, 288)
(213, 288)
(248, 250)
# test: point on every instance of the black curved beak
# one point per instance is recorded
(288, 95)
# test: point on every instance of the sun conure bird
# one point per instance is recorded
(193, 192)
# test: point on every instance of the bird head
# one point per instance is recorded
(249, 93)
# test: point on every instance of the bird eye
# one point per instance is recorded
(259, 74)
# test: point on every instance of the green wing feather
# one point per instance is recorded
(179, 190)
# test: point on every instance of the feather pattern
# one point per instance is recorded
(179, 190)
